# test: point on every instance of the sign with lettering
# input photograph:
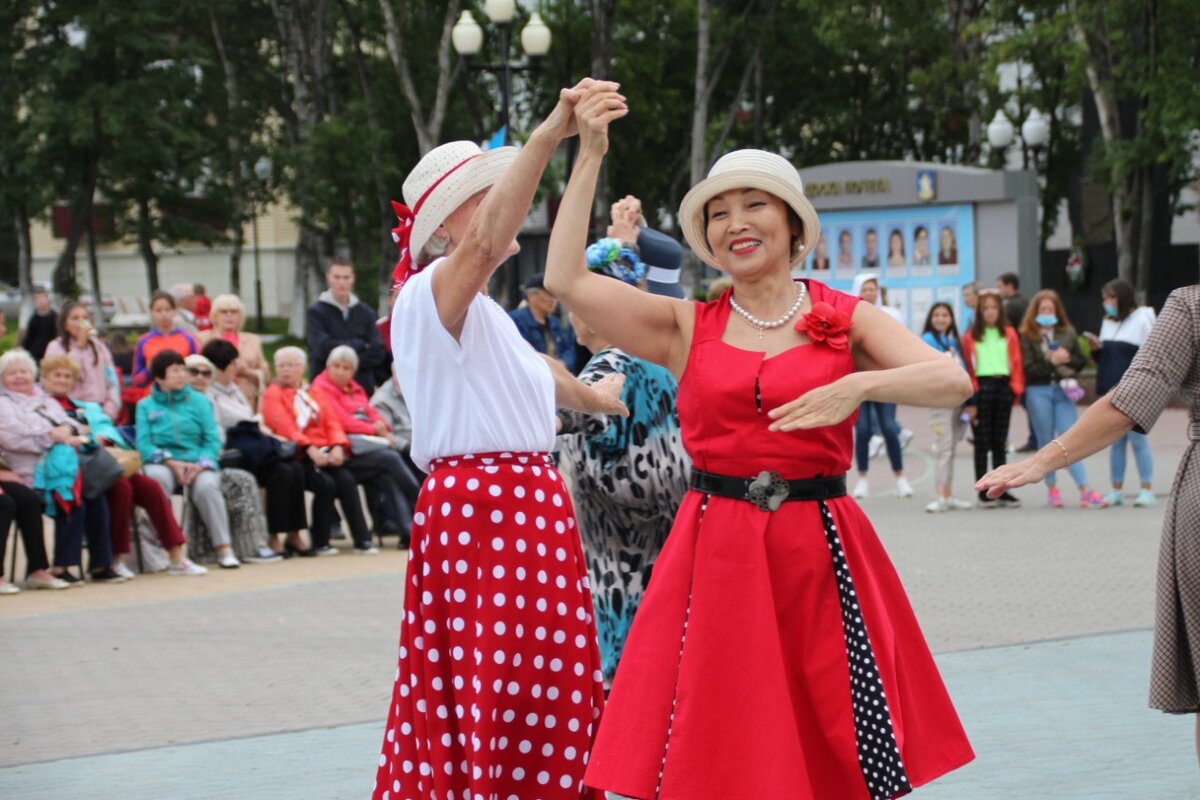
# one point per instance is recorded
(839, 188)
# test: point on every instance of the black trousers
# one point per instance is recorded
(994, 410)
(284, 482)
(386, 472)
(328, 484)
(23, 505)
(91, 521)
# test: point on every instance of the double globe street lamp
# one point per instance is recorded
(467, 37)
(1035, 131)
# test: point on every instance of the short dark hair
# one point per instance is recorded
(162, 362)
(338, 261)
(220, 352)
(159, 294)
(1123, 291)
(1010, 279)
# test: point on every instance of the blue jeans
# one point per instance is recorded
(1141, 454)
(879, 417)
(1052, 414)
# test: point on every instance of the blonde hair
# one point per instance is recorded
(226, 301)
(61, 361)
(17, 356)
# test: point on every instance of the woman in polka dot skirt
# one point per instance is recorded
(498, 690)
(775, 654)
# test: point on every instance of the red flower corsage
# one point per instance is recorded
(825, 324)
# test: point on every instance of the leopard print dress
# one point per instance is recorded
(627, 478)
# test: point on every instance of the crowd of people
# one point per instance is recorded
(100, 435)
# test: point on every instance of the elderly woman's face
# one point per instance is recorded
(749, 230)
(200, 378)
(340, 372)
(228, 319)
(58, 382)
(290, 371)
(175, 379)
(18, 378)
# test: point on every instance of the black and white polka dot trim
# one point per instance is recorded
(878, 754)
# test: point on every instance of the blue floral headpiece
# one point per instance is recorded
(611, 257)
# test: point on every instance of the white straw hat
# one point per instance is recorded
(445, 179)
(748, 169)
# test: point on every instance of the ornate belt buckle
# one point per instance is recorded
(768, 491)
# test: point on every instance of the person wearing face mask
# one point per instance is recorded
(1125, 329)
(1051, 356)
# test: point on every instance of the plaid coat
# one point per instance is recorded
(1169, 363)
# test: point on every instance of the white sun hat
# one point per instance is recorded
(446, 178)
(748, 169)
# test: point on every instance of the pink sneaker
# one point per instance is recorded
(1090, 499)
(1054, 498)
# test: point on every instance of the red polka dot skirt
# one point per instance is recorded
(498, 692)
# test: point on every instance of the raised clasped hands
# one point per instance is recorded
(599, 105)
(825, 405)
(560, 123)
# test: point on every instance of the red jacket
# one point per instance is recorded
(351, 405)
(1016, 370)
(323, 429)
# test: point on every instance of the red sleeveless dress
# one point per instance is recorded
(775, 655)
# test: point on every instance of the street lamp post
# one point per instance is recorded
(467, 37)
(262, 171)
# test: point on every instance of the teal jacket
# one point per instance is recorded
(177, 425)
(100, 425)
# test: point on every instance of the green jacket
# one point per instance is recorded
(1038, 369)
(177, 425)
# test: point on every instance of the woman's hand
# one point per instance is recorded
(600, 105)
(825, 405)
(317, 456)
(605, 396)
(1010, 476)
(560, 122)
(62, 434)
(381, 428)
(337, 456)
(1059, 356)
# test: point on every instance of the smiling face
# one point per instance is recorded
(58, 382)
(940, 319)
(18, 378)
(750, 231)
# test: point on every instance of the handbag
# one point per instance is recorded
(130, 460)
(99, 471)
(362, 443)
(256, 449)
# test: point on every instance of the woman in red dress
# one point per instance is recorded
(803, 672)
(498, 689)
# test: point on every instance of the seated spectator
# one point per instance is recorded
(273, 464)
(180, 447)
(59, 374)
(97, 375)
(380, 467)
(389, 402)
(20, 504)
(536, 321)
(309, 419)
(247, 523)
(185, 304)
(122, 354)
(164, 335)
(253, 372)
(41, 448)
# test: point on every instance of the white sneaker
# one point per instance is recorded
(122, 570)
(938, 506)
(369, 550)
(875, 446)
(860, 489)
(958, 504)
(903, 488)
(228, 560)
(265, 555)
(185, 568)
(905, 437)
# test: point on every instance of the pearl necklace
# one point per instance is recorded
(762, 325)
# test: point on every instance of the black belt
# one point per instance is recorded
(769, 489)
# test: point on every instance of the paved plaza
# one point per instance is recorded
(271, 681)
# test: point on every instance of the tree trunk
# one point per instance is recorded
(602, 57)
(428, 130)
(24, 264)
(63, 279)
(237, 171)
(1145, 251)
(94, 277)
(700, 97)
(145, 235)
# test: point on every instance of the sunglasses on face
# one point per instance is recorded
(196, 371)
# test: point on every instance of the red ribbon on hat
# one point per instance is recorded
(402, 233)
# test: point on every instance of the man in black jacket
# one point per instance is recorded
(42, 327)
(338, 317)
